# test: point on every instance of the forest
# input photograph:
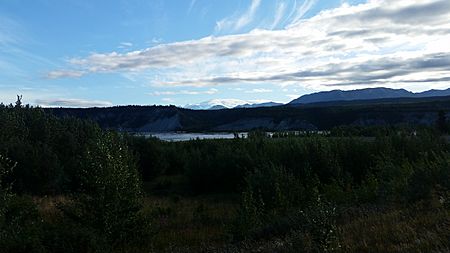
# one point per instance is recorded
(67, 185)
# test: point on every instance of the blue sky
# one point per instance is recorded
(100, 53)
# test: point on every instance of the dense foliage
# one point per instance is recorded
(348, 168)
(93, 168)
(48, 150)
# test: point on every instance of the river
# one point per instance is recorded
(182, 136)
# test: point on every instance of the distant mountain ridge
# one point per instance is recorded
(313, 116)
(267, 104)
(215, 104)
(362, 110)
(218, 104)
(365, 94)
(320, 97)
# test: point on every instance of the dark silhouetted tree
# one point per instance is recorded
(442, 122)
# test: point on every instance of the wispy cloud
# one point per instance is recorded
(259, 91)
(125, 45)
(237, 22)
(7, 36)
(168, 100)
(184, 92)
(15, 45)
(64, 74)
(303, 9)
(191, 5)
(71, 102)
(279, 14)
(377, 43)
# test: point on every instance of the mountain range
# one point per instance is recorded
(365, 94)
(218, 104)
(319, 111)
(321, 97)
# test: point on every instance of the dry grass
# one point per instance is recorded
(199, 224)
(190, 222)
(415, 229)
(47, 206)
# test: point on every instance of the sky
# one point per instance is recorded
(83, 53)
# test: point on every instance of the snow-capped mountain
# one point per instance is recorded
(217, 104)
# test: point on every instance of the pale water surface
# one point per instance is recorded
(180, 136)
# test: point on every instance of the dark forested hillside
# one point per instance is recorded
(366, 94)
(317, 116)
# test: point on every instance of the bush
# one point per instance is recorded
(22, 227)
(278, 189)
(270, 192)
(20, 223)
(110, 198)
(6, 167)
(47, 149)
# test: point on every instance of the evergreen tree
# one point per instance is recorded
(442, 122)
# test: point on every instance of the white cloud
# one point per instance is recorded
(303, 9)
(64, 73)
(71, 102)
(259, 91)
(125, 45)
(184, 92)
(168, 100)
(279, 14)
(379, 43)
(236, 23)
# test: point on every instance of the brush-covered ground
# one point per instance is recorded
(202, 224)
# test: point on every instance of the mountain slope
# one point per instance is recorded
(267, 104)
(363, 94)
(434, 93)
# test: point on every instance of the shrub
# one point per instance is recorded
(20, 224)
(110, 198)
(277, 187)
(270, 191)
(22, 227)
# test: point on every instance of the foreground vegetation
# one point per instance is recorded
(68, 186)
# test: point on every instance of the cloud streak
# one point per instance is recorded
(70, 102)
(303, 9)
(259, 91)
(236, 23)
(191, 5)
(387, 43)
(64, 74)
(279, 14)
(184, 92)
